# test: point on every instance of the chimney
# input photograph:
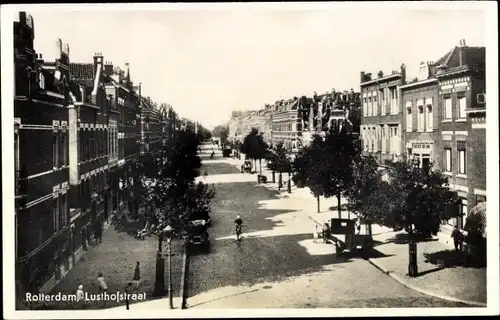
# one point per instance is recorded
(463, 42)
(403, 73)
(108, 68)
(58, 48)
(39, 58)
(368, 77)
(362, 77)
(380, 74)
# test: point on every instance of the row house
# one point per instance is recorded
(462, 91)
(168, 118)
(381, 131)
(43, 224)
(337, 110)
(151, 127)
(444, 114)
(422, 115)
(286, 124)
(125, 110)
(89, 148)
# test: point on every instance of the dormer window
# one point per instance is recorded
(41, 81)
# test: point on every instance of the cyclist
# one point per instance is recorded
(238, 223)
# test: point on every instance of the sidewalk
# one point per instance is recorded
(453, 282)
(437, 277)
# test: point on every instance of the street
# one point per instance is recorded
(277, 254)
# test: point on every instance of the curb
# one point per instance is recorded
(426, 292)
(184, 274)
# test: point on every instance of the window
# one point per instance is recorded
(447, 159)
(55, 152)
(62, 149)
(374, 105)
(429, 121)
(62, 210)
(409, 119)
(369, 106)
(55, 213)
(462, 161)
(365, 107)
(421, 118)
(447, 108)
(462, 104)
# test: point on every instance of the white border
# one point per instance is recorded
(491, 27)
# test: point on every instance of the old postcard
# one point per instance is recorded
(250, 159)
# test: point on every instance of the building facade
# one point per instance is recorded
(381, 123)
(461, 79)
(151, 127)
(421, 107)
(44, 228)
(286, 124)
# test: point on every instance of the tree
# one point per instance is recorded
(412, 198)
(254, 146)
(421, 196)
(325, 165)
(282, 163)
(221, 132)
(367, 193)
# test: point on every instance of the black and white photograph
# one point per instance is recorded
(249, 159)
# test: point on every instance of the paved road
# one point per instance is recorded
(276, 250)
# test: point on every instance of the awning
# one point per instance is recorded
(476, 219)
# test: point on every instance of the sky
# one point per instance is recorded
(206, 63)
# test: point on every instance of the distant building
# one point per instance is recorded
(381, 121)
(151, 127)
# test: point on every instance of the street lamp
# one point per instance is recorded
(168, 232)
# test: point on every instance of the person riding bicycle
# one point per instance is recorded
(237, 223)
(212, 155)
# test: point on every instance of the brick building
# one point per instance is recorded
(151, 127)
(461, 78)
(125, 110)
(89, 148)
(422, 110)
(44, 226)
(381, 115)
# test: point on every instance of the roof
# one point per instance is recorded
(472, 58)
(81, 71)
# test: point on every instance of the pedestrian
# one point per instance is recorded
(316, 233)
(103, 287)
(457, 236)
(137, 274)
(80, 297)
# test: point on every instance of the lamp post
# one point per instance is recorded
(168, 231)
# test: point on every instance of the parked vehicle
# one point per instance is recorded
(198, 234)
(246, 167)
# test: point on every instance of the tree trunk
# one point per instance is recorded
(339, 207)
(159, 288)
(260, 166)
(289, 184)
(317, 199)
(274, 177)
(280, 181)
